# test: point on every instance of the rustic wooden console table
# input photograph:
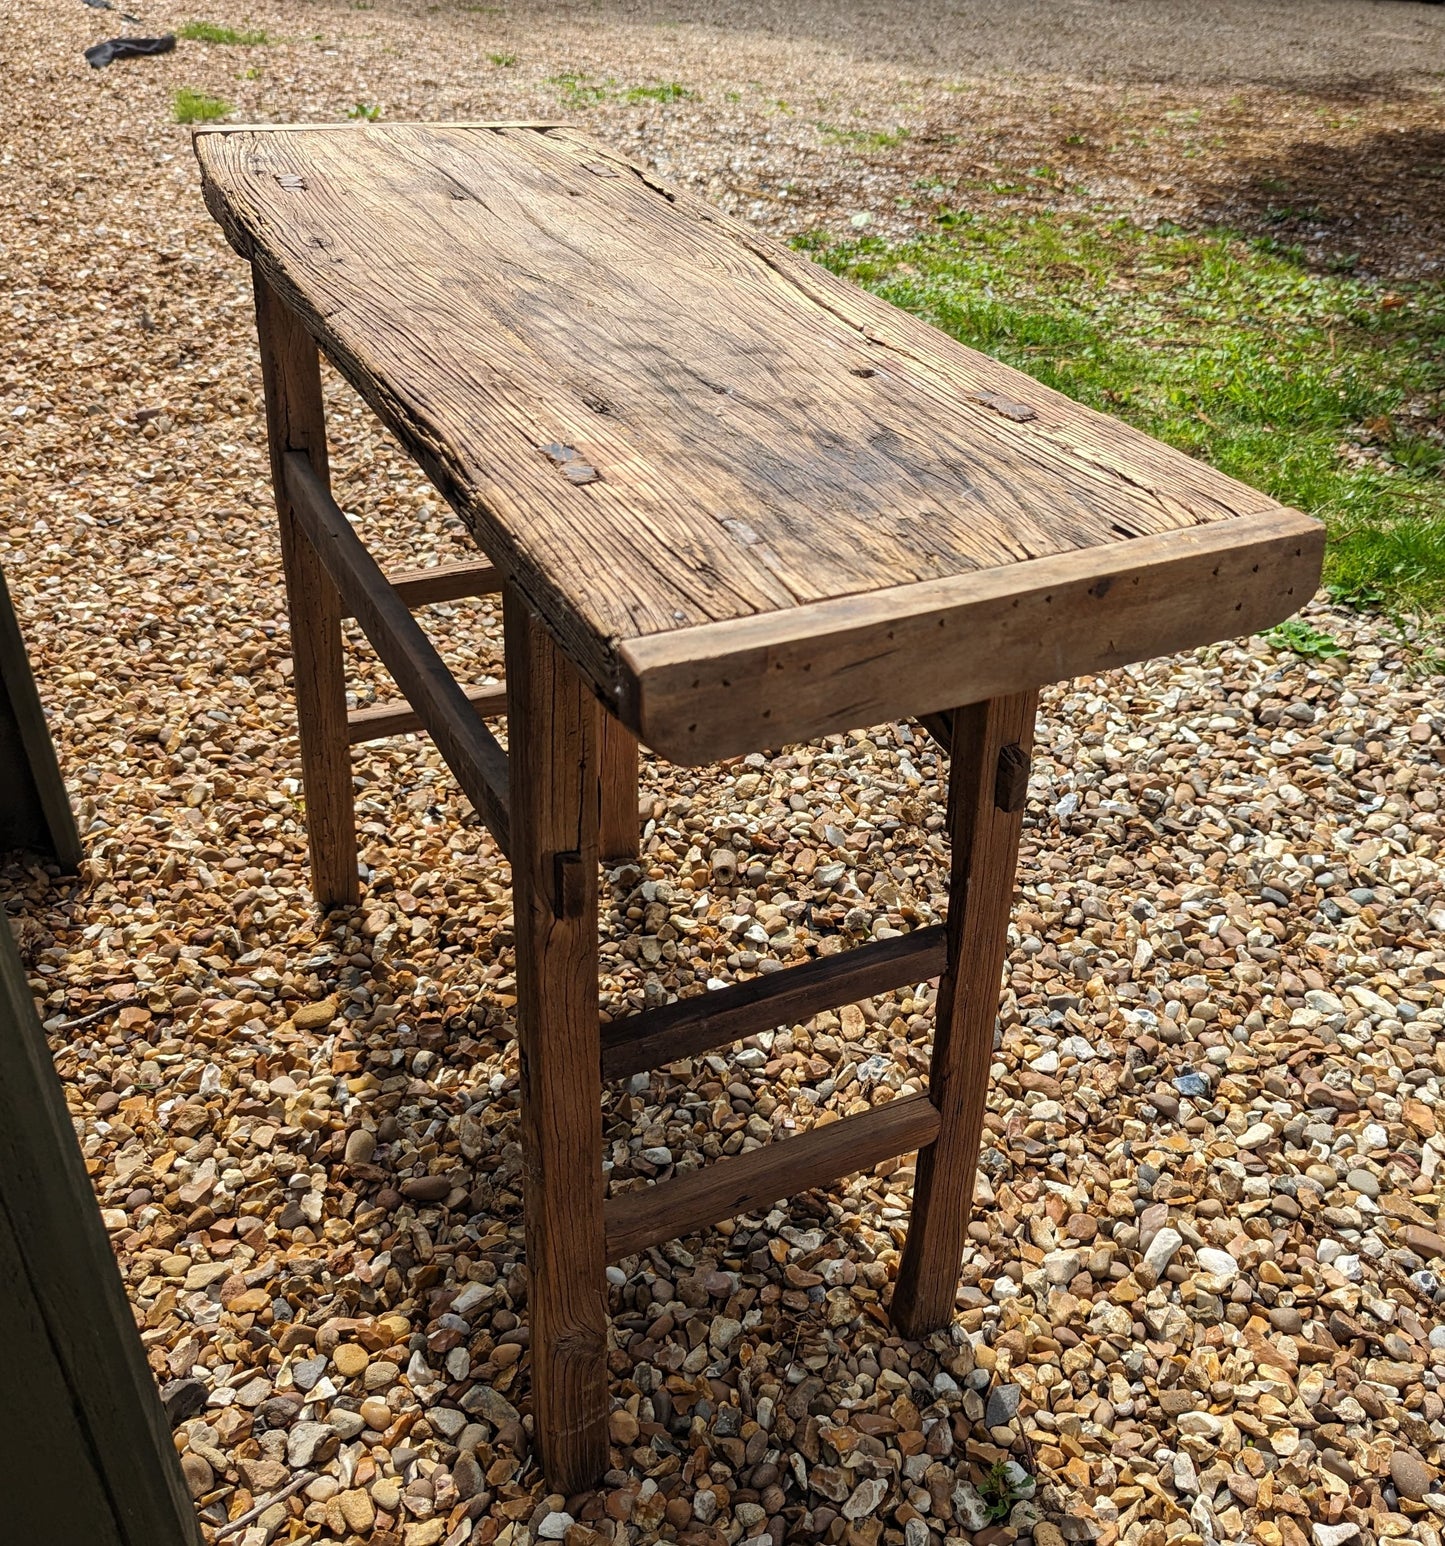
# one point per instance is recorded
(732, 501)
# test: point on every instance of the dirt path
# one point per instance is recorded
(1215, 43)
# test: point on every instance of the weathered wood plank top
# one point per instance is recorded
(673, 433)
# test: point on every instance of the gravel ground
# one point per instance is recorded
(1199, 1301)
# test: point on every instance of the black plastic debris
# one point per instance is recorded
(98, 55)
(105, 5)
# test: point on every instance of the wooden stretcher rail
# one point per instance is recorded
(696, 1025)
(635, 1220)
(471, 751)
(378, 721)
(445, 582)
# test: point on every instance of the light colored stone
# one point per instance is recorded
(350, 1360)
(1161, 1252)
(1218, 1264)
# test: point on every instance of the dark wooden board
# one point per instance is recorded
(991, 746)
(555, 735)
(35, 810)
(758, 1178)
(690, 1026)
(660, 424)
(85, 1449)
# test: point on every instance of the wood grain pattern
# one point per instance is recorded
(519, 304)
(920, 649)
(620, 833)
(469, 749)
(696, 1025)
(760, 1177)
(85, 1449)
(985, 841)
(554, 746)
(296, 422)
(395, 716)
(445, 582)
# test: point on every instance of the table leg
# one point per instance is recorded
(987, 783)
(555, 730)
(296, 421)
(621, 827)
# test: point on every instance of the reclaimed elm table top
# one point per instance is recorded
(753, 502)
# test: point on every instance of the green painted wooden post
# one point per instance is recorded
(35, 813)
(85, 1448)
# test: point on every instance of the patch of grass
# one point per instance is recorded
(577, 90)
(1002, 1486)
(663, 91)
(871, 139)
(196, 107)
(1297, 635)
(364, 110)
(1325, 390)
(503, 61)
(209, 32)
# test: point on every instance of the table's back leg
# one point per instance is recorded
(296, 421)
(555, 732)
(620, 832)
(987, 782)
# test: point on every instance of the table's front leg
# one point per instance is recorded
(988, 779)
(554, 745)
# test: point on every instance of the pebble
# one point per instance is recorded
(1161, 1252)
(306, 1374)
(969, 1508)
(1411, 1476)
(1218, 1264)
(1003, 1405)
(350, 1360)
(347, 1424)
(308, 1443)
(358, 1511)
(1425, 1242)
(360, 1147)
(865, 1498)
(200, 1478)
